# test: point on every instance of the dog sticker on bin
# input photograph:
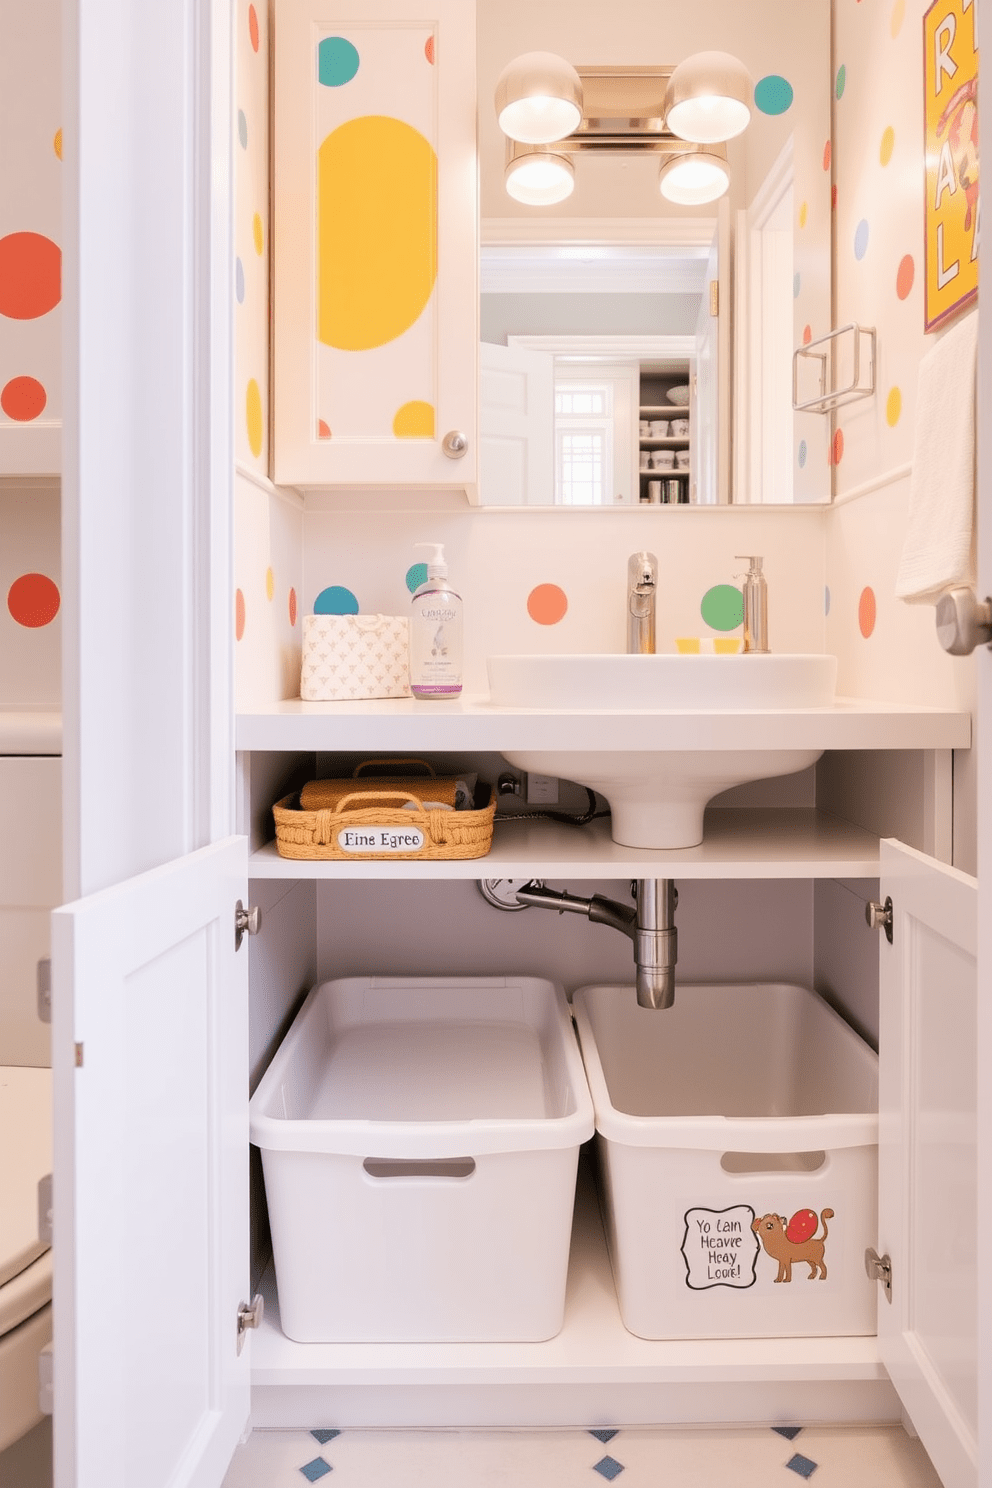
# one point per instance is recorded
(721, 1246)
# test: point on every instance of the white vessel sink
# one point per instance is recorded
(658, 796)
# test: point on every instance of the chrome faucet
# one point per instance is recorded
(755, 596)
(642, 589)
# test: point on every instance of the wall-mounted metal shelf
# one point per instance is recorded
(862, 384)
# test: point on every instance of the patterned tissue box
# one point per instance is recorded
(354, 656)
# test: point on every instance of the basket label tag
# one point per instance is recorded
(380, 839)
(720, 1248)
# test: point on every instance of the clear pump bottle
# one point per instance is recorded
(436, 633)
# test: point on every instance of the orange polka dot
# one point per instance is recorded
(57, 143)
(905, 276)
(30, 275)
(292, 606)
(323, 432)
(33, 600)
(23, 398)
(807, 335)
(429, 50)
(826, 155)
(838, 446)
(239, 614)
(253, 28)
(867, 612)
(547, 604)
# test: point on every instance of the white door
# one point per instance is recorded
(709, 417)
(516, 426)
(150, 1031)
(928, 1168)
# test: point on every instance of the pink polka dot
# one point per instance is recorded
(239, 614)
(323, 430)
(429, 50)
(292, 606)
(827, 149)
(547, 604)
(807, 335)
(838, 446)
(867, 612)
(253, 28)
(905, 276)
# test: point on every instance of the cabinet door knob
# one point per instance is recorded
(246, 922)
(879, 917)
(454, 444)
(963, 621)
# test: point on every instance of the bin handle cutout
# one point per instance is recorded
(772, 1162)
(419, 1167)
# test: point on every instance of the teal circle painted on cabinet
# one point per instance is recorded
(773, 95)
(722, 607)
(337, 61)
(416, 576)
(335, 601)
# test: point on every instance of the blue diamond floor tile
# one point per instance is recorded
(318, 1468)
(324, 1435)
(603, 1434)
(609, 1468)
(789, 1432)
(801, 1465)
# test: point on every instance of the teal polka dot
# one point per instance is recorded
(416, 576)
(335, 601)
(861, 239)
(722, 607)
(337, 61)
(242, 129)
(773, 95)
(841, 80)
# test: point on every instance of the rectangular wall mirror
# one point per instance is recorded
(639, 352)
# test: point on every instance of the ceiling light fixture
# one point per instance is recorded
(540, 178)
(538, 98)
(709, 98)
(694, 178)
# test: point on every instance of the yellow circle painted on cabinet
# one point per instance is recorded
(253, 417)
(893, 407)
(414, 421)
(270, 583)
(887, 145)
(376, 232)
(258, 235)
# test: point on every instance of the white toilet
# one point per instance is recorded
(25, 1260)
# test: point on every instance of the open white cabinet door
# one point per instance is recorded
(709, 426)
(516, 426)
(150, 1024)
(928, 1143)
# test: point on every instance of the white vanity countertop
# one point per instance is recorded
(473, 723)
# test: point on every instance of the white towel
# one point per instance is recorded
(939, 549)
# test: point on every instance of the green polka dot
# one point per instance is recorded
(337, 61)
(841, 80)
(722, 607)
(773, 95)
(416, 576)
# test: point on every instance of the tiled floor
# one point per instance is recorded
(664, 1457)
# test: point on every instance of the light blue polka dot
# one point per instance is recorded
(861, 239)
(802, 454)
(335, 601)
(242, 129)
(239, 281)
(416, 576)
(337, 61)
(826, 599)
(796, 286)
(773, 95)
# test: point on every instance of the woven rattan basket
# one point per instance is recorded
(379, 824)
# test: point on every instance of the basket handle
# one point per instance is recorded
(377, 797)
(366, 763)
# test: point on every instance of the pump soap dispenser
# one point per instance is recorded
(755, 593)
(436, 632)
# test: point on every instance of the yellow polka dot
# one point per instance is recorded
(897, 17)
(57, 143)
(270, 583)
(253, 415)
(414, 421)
(257, 234)
(886, 147)
(803, 214)
(893, 407)
(376, 232)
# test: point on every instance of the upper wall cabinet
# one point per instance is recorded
(375, 244)
(31, 239)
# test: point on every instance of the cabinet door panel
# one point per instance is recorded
(375, 305)
(928, 1089)
(151, 1176)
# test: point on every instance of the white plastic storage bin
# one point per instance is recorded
(419, 1144)
(738, 1147)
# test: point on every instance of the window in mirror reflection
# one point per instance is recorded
(583, 443)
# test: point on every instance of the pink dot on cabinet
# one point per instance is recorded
(547, 604)
(33, 600)
(323, 430)
(429, 50)
(239, 614)
(867, 612)
(826, 156)
(838, 447)
(30, 275)
(23, 399)
(253, 28)
(292, 606)
(905, 276)
(807, 335)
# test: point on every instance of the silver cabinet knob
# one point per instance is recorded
(250, 1316)
(454, 444)
(879, 917)
(246, 922)
(963, 621)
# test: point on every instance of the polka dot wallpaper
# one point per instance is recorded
(31, 236)
(251, 234)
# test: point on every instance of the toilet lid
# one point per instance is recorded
(25, 1157)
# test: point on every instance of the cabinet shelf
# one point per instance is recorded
(759, 842)
(593, 1348)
